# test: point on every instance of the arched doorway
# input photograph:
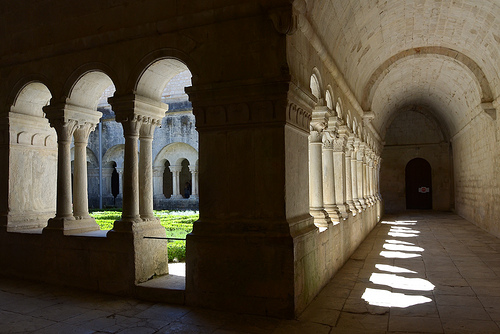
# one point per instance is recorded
(418, 178)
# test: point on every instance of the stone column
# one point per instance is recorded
(360, 175)
(68, 120)
(366, 180)
(146, 168)
(148, 256)
(371, 178)
(80, 191)
(194, 182)
(176, 170)
(64, 132)
(318, 124)
(354, 175)
(348, 176)
(329, 200)
(158, 182)
(339, 174)
(120, 182)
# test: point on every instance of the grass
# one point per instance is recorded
(177, 225)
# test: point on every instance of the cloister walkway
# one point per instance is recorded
(421, 272)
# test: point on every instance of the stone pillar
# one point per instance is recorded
(194, 182)
(254, 199)
(68, 120)
(138, 114)
(158, 182)
(366, 180)
(360, 170)
(371, 179)
(176, 170)
(146, 168)
(120, 182)
(339, 174)
(354, 175)
(348, 176)
(80, 191)
(64, 132)
(328, 178)
(318, 124)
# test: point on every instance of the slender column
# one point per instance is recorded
(146, 169)
(354, 173)
(175, 169)
(130, 169)
(366, 194)
(80, 191)
(64, 130)
(339, 174)
(377, 178)
(194, 181)
(360, 176)
(328, 178)
(371, 178)
(120, 181)
(158, 182)
(348, 177)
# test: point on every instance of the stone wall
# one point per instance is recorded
(477, 170)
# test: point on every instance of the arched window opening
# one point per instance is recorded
(167, 181)
(115, 183)
(418, 177)
(185, 178)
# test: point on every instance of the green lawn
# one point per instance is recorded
(177, 224)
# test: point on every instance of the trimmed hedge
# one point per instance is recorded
(177, 225)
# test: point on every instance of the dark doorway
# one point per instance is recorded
(418, 184)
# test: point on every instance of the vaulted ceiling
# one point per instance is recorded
(442, 55)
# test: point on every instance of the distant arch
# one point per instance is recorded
(176, 152)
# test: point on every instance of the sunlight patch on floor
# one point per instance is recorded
(379, 297)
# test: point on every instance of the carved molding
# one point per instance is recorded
(284, 20)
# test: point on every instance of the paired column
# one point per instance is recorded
(360, 174)
(317, 126)
(194, 181)
(329, 200)
(158, 182)
(354, 175)
(69, 120)
(146, 167)
(176, 171)
(120, 181)
(348, 176)
(80, 191)
(339, 175)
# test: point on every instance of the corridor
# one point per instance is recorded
(417, 273)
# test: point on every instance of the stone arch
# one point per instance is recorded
(329, 97)
(114, 154)
(469, 64)
(88, 87)
(315, 86)
(339, 108)
(163, 54)
(176, 152)
(29, 97)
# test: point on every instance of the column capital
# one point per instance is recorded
(158, 170)
(193, 169)
(83, 131)
(65, 118)
(328, 139)
(339, 144)
(139, 115)
(175, 168)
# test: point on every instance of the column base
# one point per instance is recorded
(358, 205)
(321, 218)
(176, 197)
(352, 208)
(247, 278)
(334, 214)
(150, 245)
(70, 225)
(344, 210)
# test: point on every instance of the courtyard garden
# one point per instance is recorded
(177, 225)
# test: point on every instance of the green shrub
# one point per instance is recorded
(177, 225)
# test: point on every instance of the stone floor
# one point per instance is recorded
(417, 273)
